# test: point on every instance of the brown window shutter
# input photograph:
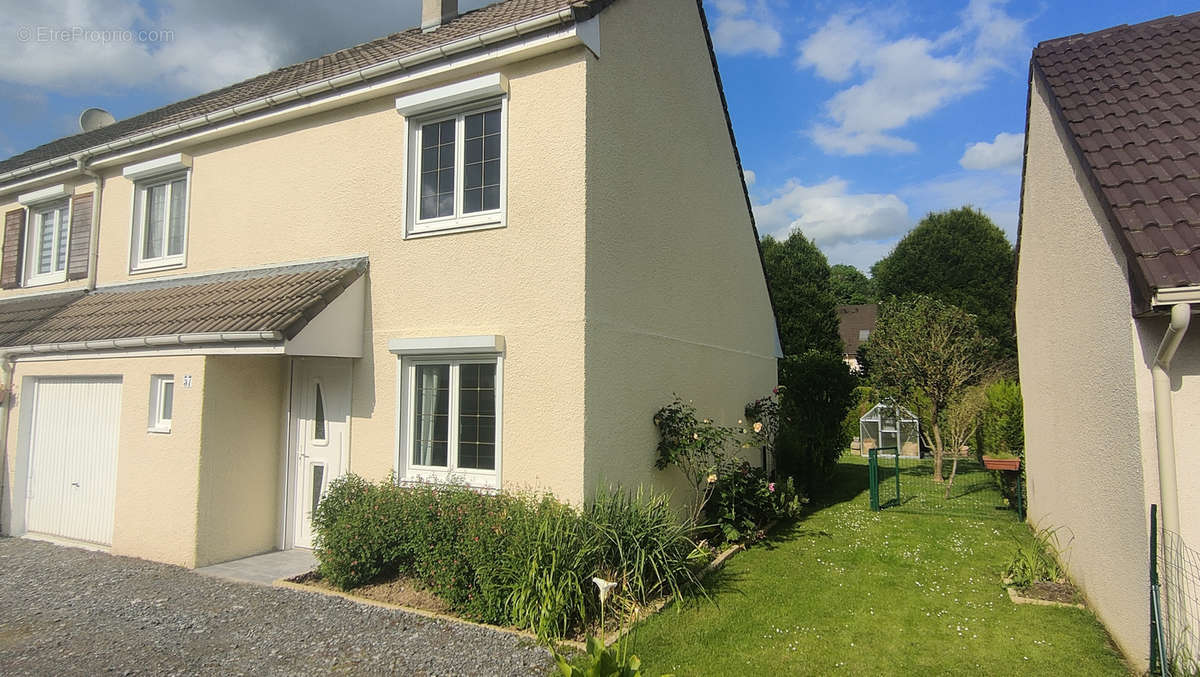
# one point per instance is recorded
(81, 236)
(14, 245)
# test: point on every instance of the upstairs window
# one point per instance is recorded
(161, 220)
(49, 234)
(456, 162)
(160, 207)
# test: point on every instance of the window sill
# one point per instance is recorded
(455, 227)
(156, 267)
(42, 281)
(159, 430)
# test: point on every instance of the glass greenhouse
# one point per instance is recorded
(889, 425)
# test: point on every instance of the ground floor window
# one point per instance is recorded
(450, 419)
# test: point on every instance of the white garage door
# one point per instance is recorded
(73, 458)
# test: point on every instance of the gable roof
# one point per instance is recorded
(279, 299)
(852, 320)
(396, 46)
(1130, 97)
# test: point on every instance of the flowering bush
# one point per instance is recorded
(695, 446)
(736, 498)
(745, 499)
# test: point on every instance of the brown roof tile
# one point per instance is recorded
(21, 314)
(1130, 96)
(855, 319)
(396, 45)
(279, 298)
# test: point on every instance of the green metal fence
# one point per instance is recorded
(1174, 603)
(910, 484)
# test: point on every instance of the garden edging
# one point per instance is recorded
(609, 639)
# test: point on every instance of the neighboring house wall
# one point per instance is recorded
(675, 302)
(1080, 382)
(241, 456)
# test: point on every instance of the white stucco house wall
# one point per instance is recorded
(475, 250)
(1108, 278)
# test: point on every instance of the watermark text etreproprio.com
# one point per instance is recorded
(83, 34)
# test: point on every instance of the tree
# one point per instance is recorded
(962, 258)
(850, 286)
(926, 353)
(805, 306)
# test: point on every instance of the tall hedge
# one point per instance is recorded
(818, 390)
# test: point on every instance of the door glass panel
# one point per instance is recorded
(432, 414)
(319, 426)
(318, 485)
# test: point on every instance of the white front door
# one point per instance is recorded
(320, 437)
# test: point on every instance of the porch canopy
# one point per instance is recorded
(297, 309)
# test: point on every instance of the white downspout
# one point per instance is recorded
(1164, 423)
(6, 398)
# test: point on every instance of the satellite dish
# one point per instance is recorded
(95, 118)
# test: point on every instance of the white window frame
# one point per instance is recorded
(146, 175)
(138, 263)
(34, 211)
(454, 101)
(454, 351)
(159, 423)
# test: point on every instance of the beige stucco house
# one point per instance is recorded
(1108, 279)
(485, 250)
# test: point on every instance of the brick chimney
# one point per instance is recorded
(434, 13)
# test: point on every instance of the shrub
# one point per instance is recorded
(1002, 430)
(818, 390)
(646, 548)
(509, 559)
(744, 500)
(1038, 560)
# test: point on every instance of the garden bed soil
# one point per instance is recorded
(398, 590)
(1050, 591)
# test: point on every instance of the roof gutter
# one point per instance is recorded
(403, 63)
(146, 342)
(1164, 423)
(1170, 296)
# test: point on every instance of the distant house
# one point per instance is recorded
(1108, 279)
(855, 324)
(467, 253)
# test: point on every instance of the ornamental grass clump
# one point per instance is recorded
(524, 560)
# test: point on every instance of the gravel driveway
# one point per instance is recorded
(66, 611)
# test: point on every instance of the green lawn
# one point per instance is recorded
(845, 590)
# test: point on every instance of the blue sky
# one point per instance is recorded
(853, 119)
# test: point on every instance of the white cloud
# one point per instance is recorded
(902, 79)
(741, 29)
(750, 176)
(1004, 153)
(836, 50)
(995, 194)
(193, 47)
(831, 215)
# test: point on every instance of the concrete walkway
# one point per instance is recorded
(264, 569)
